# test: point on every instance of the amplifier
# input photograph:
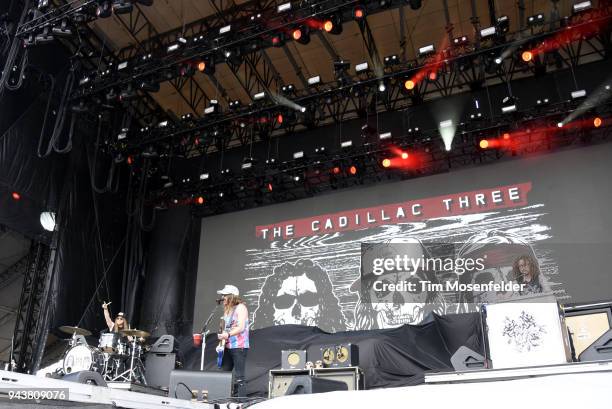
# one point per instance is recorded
(293, 359)
(281, 379)
(200, 385)
(340, 355)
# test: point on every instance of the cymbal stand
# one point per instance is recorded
(135, 372)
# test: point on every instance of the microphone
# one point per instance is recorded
(219, 300)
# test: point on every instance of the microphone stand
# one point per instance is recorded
(205, 332)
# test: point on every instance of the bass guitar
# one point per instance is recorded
(221, 346)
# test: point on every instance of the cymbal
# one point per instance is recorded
(135, 333)
(75, 330)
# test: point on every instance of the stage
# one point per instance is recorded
(577, 385)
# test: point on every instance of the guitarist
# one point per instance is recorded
(235, 336)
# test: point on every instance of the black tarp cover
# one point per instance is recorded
(388, 357)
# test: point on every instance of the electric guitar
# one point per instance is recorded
(221, 346)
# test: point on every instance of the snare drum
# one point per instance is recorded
(83, 358)
(109, 342)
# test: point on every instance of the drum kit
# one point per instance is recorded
(118, 356)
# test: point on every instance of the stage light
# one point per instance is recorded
(432, 76)
(104, 10)
(353, 170)
(386, 163)
(336, 170)
(202, 66)
(404, 155)
(122, 7)
(42, 4)
(288, 89)
(381, 86)
(298, 155)
(346, 144)
(426, 50)
(509, 104)
(498, 60)
(391, 60)
(130, 160)
(280, 119)
(278, 40)
(506, 136)
(362, 67)
(270, 187)
(503, 24)
(225, 29)
(162, 124)
(487, 32)
(45, 37)
(15, 195)
(359, 12)
(259, 96)
(62, 30)
(560, 124)
(333, 24)
(415, 4)
(535, 20)
(301, 34)
(409, 85)
(578, 94)
(180, 42)
(581, 6)
(447, 131)
(597, 122)
(199, 200)
(312, 81)
(542, 102)
(234, 104)
(526, 56)
(47, 220)
(283, 7)
(84, 81)
(122, 134)
(508, 109)
(484, 144)
(341, 66)
(204, 176)
(383, 136)
(462, 40)
(296, 178)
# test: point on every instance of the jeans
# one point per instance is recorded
(234, 359)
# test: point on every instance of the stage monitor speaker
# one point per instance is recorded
(599, 350)
(341, 355)
(200, 385)
(304, 384)
(586, 324)
(164, 344)
(351, 376)
(465, 359)
(87, 377)
(293, 359)
(158, 368)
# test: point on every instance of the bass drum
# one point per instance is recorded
(83, 358)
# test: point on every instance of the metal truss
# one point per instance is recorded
(32, 307)
(462, 69)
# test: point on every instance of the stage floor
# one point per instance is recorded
(532, 389)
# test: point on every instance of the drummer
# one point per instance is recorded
(120, 322)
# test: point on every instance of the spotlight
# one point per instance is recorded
(432, 76)
(385, 135)
(15, 195)
(122, 6)
(391, 60)
(484, 144)
(535, 20)
(526, 56)
(214, 108)
(462, 40)
(312, 81)
(259, 96)
(333, 24)
(503, 24)
(487, 32)
(206, 66)
(104, 10)
(427, 50)
(278, 40)
(43, 4)
(560, 124)
(404, 155)
(233, 105)
(353, 170)
(301, 34)
(180, 42)
(597, 122)
(225, 29)
(62, 30)
(386, 163)
(508, 105)
(581, 93)
(498, 60)
(283, 7)
(47, 220)
(542, 101)
(409, 85)
(359, 12)
(199, 200)
(381, 86)
(288, 89)
(341, 66)
(362, 67)
(346, 144)
(415, 4)
(581, 6)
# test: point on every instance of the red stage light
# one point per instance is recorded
(200, 200)
(353, 170)
(269, 187)
(404, 155)
(279, 118)
(336, 170)
(359, 12)
(386, 162)
(130, 160)
(432, 76)
(276, 40)
(506, 136)
(201, 66)
(597, 122)
(328, 25)
(297, 34)
(409, 85)
(484, 144)
(16, 196)
(527, 56)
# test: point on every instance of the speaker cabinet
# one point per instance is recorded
(304, 384)
(280, 379)
(599, 350)
(465, 359)
(200, 385)
(586, 323)
(164, 344)
(293, 359)
(341, 355)
(158, 369)
(87, 377)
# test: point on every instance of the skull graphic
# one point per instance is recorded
(296, 302)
